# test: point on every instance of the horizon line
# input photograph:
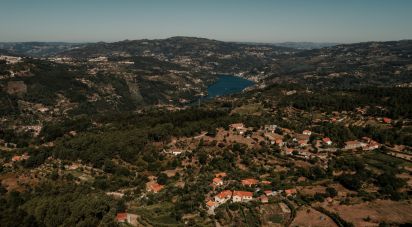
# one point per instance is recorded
(198, 37)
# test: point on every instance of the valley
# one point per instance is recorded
(189, 131)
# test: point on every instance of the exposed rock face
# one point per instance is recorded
(16, 88)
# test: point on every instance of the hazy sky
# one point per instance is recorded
(229, 20)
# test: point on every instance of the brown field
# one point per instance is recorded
(307, 216)
(311, 190)
(16, 182)
(269, 211)
(233, 137)
(378, 211)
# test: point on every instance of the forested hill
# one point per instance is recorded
(170, 47)
(130, 75)
(347, 66)
(38, 49)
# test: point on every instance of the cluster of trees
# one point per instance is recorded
(127, 136)
(387, 181)
(394, 100)
(21, 139)
(70, 205)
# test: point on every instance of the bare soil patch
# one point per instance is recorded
(307, 216)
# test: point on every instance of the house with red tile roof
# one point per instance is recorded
(16, 158)
(237, 126)
(242, 196)
(211, 204)
(387, 120)
(279, 142)
(264, 199)
(289, 151)
(303, 143)
(217, 181)
(327, 141)
(220, 175)
(121, 217)
(223, 196)
(249, 182)
(290, 192)
(127, 217)
(371, 146)
(265, 182)
(269, 193)
(307, 132)
(155, 187)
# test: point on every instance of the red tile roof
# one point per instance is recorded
(242, 194)
(224, 194)
(265, 182)
(302, 142)
(249, 181)
(326, 140)
(264, 199)
(307, 132)
(210, 203)
(121, 217)
(268, 192)
(290, 191)
(155, 187)
(279, 141)
(237, 125)
(221, 174)
(217, 180)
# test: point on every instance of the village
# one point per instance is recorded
(306, 145)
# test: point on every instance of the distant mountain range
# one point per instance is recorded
(305, 45)
(38, 49)
(131, 74)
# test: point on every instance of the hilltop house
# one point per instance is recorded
(239, 127)
(371, 146)
(155, 187)
(211, 204)
(264, 199)
(270, 128)
(270, 193)
(307, 132)
(236, 126)
(290, 192)
(17, 158)
(249, 182)
(242, 196)
(220, 175)
(217, 181)
(279, 142)
(223, 196)
(327, 141)
(303, 143)
(127, 217)
(265, 182)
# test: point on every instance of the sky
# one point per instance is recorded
(343, 21)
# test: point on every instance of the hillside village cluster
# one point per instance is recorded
(298, 145)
